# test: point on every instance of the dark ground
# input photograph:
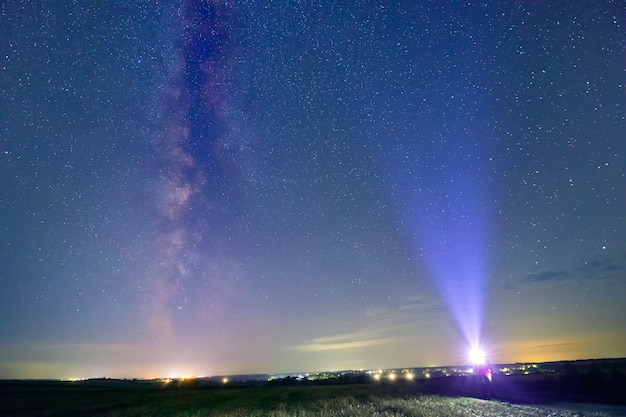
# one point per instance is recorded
(534, 389)
(593, 384)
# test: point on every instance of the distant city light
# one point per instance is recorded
(409, 376)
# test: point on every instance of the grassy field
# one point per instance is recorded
(129, 399)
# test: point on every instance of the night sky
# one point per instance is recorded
(206, 188)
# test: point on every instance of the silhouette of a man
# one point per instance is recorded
(483, 375)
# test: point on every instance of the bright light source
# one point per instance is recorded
(224, 380)
(377, 377)
(392, 377)
(409, 376)
(477, 356)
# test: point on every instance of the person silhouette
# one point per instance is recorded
(483, 376)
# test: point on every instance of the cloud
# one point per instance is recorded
(359, 339)
(385, 325)
(554, 345)
(599, 268)
(594, 269)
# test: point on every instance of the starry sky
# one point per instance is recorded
(221, 187)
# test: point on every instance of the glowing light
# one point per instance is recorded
(409, 376)
(477, 356)
(224, 380)
(452, 234)
(392, 377)
(376, 377)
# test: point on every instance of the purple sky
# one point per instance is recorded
(221, 188)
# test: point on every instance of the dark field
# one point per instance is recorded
(445, 396)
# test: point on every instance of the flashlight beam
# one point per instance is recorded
(477, 356)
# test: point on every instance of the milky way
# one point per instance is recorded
(216, 187)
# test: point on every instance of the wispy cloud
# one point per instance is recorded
(603, 268)
(359, 339)
(553, 345)
(594, 269)
(386, 325)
